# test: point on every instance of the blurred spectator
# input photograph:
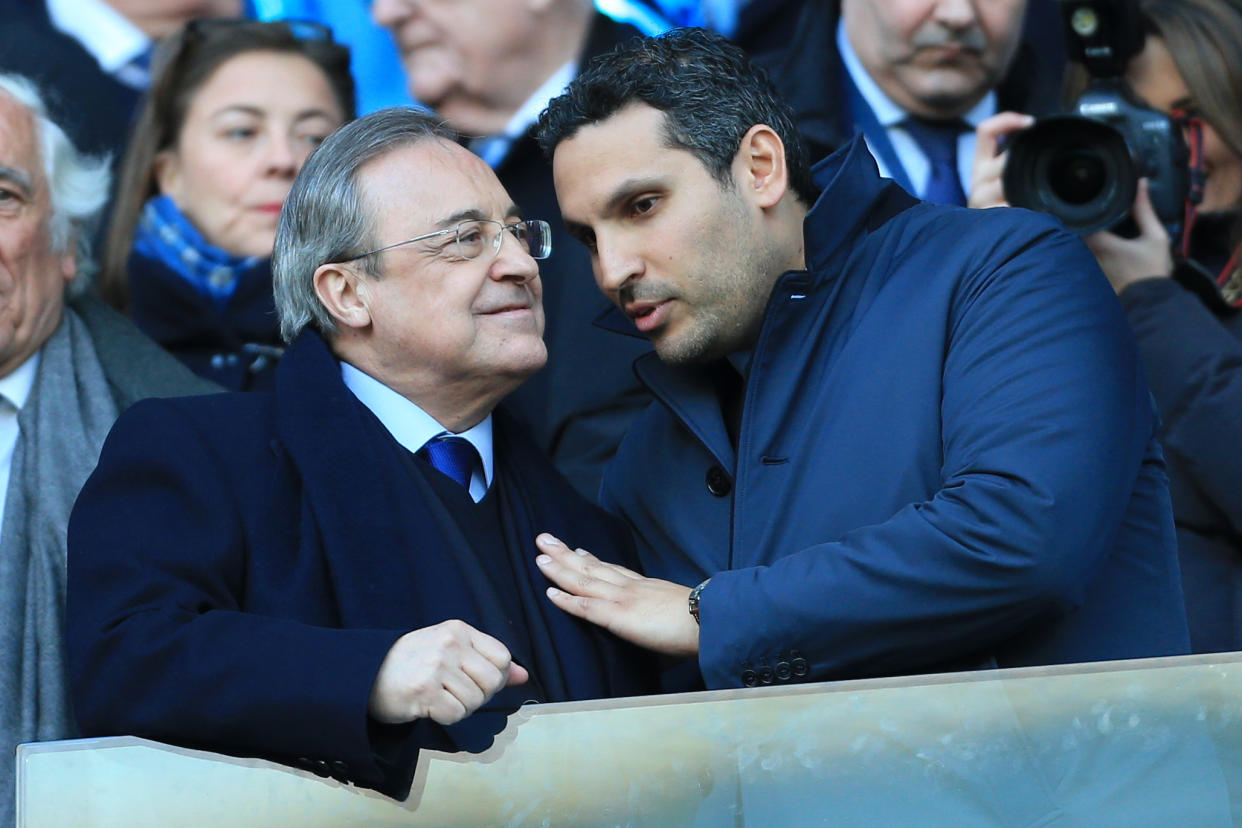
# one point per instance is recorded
(915, 78)
(1183, 303)
(764, 26)
(92, 57)
(377, 65)
(488, 68)
(68, 367)
(758, 26)
(234, 109)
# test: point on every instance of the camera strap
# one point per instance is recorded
(1192, 129)
(1229, 279)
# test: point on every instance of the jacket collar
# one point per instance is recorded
(850, 190)
(854, 199)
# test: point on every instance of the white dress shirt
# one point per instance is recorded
(14, 391)
(890, 115)
(104, 32)
(495, 149)
(413, 428)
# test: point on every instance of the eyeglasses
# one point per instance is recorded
(475, 237)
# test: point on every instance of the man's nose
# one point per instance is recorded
(513, 261)
(956, 14)
(389, 13)
(614, 266)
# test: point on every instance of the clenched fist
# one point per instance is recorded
(443, 673)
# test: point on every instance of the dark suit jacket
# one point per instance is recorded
(580, 404)
(93, 108)
(810, 76)
(240, 565)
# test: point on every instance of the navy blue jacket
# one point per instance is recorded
(240, 564)
(947, 457)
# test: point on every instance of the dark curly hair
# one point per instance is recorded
(707, 88)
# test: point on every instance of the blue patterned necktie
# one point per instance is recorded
(938, 141)
(452, 456)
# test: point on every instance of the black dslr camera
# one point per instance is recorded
(1083, 167)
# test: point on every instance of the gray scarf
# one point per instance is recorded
(62, 429)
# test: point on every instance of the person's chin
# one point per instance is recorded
(524, 358)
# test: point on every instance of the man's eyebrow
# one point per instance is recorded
(627, 188)
(576, 229)
(475, 214)
(19, 177)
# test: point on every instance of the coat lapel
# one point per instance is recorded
(691, 395)
(393, 561)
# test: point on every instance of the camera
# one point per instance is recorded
(1083, 167)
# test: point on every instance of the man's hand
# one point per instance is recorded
(651, 613)
(443, 673)
(986, 187)
(1146, 256)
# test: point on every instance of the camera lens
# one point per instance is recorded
(1077, 169)
(1077, 175)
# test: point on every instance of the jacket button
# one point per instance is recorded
(340, 767)
(765, 675)
(749, 679)
(783, 671)
(800, 667)
(718, 482)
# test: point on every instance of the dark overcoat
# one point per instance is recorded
(240, 564)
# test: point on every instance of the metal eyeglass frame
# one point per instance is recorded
(538, 229)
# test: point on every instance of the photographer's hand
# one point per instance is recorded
(1146, 256)
(986, 189)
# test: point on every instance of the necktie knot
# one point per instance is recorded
(452, 456)
(937, 139)
(938, 142)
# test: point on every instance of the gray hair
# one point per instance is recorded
(77, 184)
(324, 218)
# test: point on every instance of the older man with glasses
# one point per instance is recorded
(340, 573)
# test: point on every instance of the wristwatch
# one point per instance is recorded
(695, 595)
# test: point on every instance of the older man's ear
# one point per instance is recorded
(344, 293)
(69, 259)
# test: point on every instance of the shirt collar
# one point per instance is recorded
(103, 31)
(17, 385)
(495, 148)
(410, 425)
(887, 111)
(528, 112)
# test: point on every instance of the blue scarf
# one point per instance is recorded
(167, 236)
